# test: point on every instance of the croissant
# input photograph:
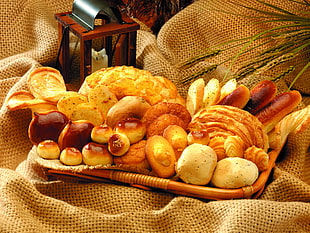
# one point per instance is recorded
(217, 144)
(234, 146)
(257, 156)
(224, 121)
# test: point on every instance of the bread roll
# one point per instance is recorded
(198, 136)
(261, 95)
(237, 98)
(177, 137)
(234, 172)
(48, 149)
(278, 108)
(101, 133)
(196, 164)
(96, 154)
(160, 155)
(130, 81)
(118, 144)
(133, 128)
(71, 156)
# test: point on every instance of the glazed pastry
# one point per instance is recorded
(96, 154)
(71, 156)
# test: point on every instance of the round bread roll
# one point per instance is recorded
(131, 81)
(96, 154)
(196, 164)
(48, 149)
(135, 156)
(71, 156)
(198, 136)
(133, 128)
(118, 144)
(161, 156)
(101, 133)
(234, 172)
(158, 126)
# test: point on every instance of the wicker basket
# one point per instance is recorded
(149, 182)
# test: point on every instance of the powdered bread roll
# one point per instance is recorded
(196, 164)
(234, 172)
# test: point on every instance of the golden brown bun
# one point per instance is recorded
(127, 80)
(158, 126)
(71, 156)
(135, 156)
(223, 120)
(177, 137)
(160, 155)
(118, 144)
(133, 128)
(198, 136)
(166, 108)
(261, 95)
(278, 108)
(101, 133)
(96, 154)
(48, 149)
(237, 98)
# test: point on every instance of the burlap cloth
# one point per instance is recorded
(30, 203)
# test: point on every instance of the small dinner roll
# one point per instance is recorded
(118, 144)
(234, 172)
(133, 128)
(48, 149)
(96, 154)
(101, 133)
(71, 156)
(196, 164)
(200, 136)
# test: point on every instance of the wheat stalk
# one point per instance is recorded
(290, 38)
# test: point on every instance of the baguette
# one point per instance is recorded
(261, 95)
(278, 108)
(237, 98)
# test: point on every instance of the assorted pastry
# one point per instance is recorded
(219, 135)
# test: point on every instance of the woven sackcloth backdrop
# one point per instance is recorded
(30, 203)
